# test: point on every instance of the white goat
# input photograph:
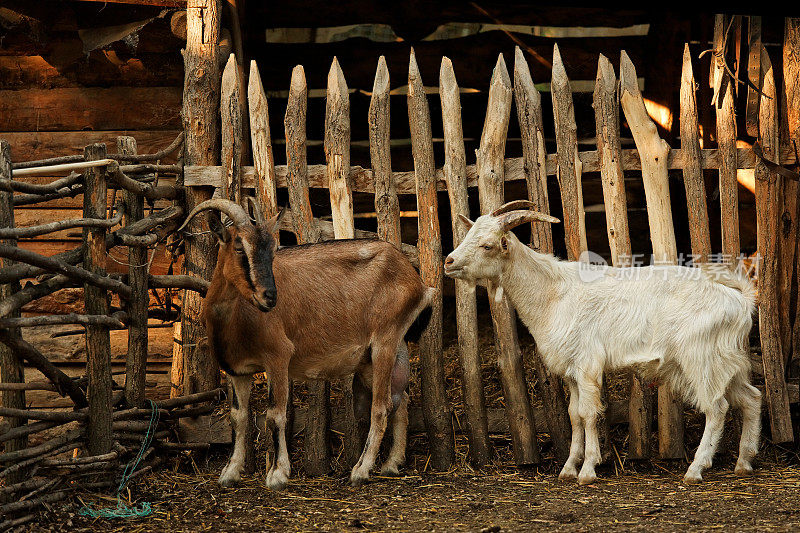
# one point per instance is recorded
(684, 325)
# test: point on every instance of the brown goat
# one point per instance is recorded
(341, 307)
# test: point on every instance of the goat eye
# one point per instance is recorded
(487, 246)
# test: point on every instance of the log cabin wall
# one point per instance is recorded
(76, 73)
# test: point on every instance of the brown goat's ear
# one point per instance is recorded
(217, 227)
(466, 221)
(274, 223)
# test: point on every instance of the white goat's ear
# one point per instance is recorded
(504, 243)
(217, 227)
(466, 221)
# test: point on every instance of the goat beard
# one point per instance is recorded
(495, 291)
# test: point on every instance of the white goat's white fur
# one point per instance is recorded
(683, 325)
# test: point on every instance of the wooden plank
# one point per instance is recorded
(261, 141)
(654, 151)
(693, 173)
(455, 171)
(768, 204)
(491, 195)
(136, 306)
(569, 166)
(726, 141)
(387, 205)
(232, 133)
(200, 371)
(790, 210)
(363, 180)
(95, 108)
(11, 366)
(98, 341)
(35, 145)
(434, 394)
(529, 114)
(606, 108)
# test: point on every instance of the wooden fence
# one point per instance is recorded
(96, 414)
(653, 158)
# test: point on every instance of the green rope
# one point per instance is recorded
(122, 510)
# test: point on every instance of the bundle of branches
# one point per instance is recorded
(56, 470)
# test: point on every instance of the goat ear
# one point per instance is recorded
(217, 227)
(466, 221)
(274, 223)
(504, 243)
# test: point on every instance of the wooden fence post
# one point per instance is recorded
(768, 206)
(436, 408)
(261, 141)
(569, 171)
(136, 363)
(529, 114)
(337, 157)
(791, 77)
(724, 105)
(12, 369)
(653, 152)
(455, 174)
(317, 447)
(200, 123)
(98, 339)
(232, 134)
(387, 206)
(692, 172)
(790, 210)
(606, 109)
(491, 182)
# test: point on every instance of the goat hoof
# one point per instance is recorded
(229, 479)
(568, 474)
(743, 469)
(587, 479)
(391, 470)
(692, 478)
(277, 480)
(357, 479)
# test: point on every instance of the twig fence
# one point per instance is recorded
(97, 420)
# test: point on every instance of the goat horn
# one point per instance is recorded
(513, 206)
(234, 211)
(258, 214)
(516, 218)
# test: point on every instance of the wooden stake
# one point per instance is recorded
(434, 395)
(726, 142)
(791, 77)
(387, 206)
(200, 123)
(653, 152)
(317, 448)
(455, 173)
(337, 156)
(491, 195)
(261, 140)
(11, 368)
(136, 362)
(692, 172)
(232, 136)
(529, 114)
(98, 339)
(606, 109)
(768, 205)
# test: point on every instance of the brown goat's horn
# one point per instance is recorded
(513, 206)
(234, 211)
(258, 214)
(516, 218)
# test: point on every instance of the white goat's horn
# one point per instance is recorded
(513, 206)
(516, 218)
(234, 211)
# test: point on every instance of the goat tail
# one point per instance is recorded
(735, 280)
(424, 314)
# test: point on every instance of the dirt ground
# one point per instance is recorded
(498, 498)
